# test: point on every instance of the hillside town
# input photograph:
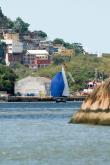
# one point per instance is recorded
(34, 51)
(30, 49)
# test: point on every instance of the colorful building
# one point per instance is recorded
(36, 58)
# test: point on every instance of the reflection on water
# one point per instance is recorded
(39, 134)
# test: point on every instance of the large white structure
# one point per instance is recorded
(13, 46)
(33, 86)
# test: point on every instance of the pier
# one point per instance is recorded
(37, 99)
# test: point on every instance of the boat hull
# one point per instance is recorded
(60, 99)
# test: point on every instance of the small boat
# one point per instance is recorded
(59, 87)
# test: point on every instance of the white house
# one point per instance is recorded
(13, 46)
(14, 51)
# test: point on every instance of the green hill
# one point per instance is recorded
(82, 69)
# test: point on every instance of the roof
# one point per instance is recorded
(10, 42)
(37, 52)
(37, 79)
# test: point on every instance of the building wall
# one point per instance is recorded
(11, 36)
(10, 58)
(13, 46)
(17, 47)
(33, 85)
(36, 60)
(66, 52)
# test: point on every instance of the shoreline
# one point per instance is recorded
(37, 99)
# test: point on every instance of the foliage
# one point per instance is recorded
(20, 70)
(67, 45)
(7, 79)
(41, 34)
(58, 60)
(20, 26)
(78, 48)
(4, 21)
(82, 69)
(58, 41)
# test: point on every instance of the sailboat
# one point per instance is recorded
(59, 87)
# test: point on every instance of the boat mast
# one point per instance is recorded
(66, 88)
(69, 74)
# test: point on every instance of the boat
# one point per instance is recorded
(90, 86)
(59, 87)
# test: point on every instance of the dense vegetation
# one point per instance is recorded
(82, 69)
(4, 21)
(20, 70)
(7, 79)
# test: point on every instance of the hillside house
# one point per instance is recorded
(11, 36)
(14, 51)
(36, 58)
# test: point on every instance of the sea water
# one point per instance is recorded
(39, 134)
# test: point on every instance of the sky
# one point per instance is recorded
(83, 21)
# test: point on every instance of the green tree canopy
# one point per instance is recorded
(20, 26)
(68, 45)
(7, 79)
(41, 34)
(58, 41)
(4, 21)
(58, 60)
(78, 48)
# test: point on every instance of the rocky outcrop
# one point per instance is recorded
(96, 108)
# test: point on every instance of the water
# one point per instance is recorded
(39, 134)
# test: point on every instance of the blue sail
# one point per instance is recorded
(57, 85)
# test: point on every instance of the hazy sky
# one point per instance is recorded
(84, 21)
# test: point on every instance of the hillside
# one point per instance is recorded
(82, 69)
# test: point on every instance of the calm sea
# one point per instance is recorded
(39, 134)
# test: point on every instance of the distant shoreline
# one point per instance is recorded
(37, 99)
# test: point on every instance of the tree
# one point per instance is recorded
(20, 26)
(68, 45)
(1, 14)
(7, 79)
(10, 23)
(41, 34)
(58, 60)
(4, 21)
(58, 41)
(78, 48)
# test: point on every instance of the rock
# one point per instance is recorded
(96, 108)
